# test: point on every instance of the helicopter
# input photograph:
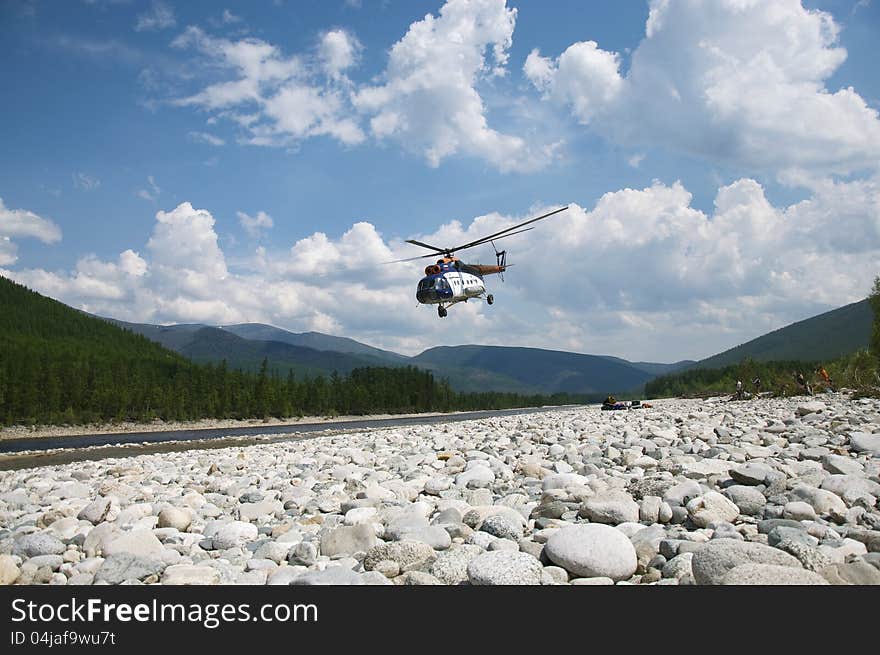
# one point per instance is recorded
(450, 281)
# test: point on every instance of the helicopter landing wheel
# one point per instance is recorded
(490, 299)
(441, 312)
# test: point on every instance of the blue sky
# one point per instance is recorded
(254, 161)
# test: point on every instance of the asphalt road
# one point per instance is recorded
(130, 444)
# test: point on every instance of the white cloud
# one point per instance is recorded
(160, 16)
(85, 182)
(277, 99)
(255, 225)
(428, 100)
(740, 81)
(584, 77)
(338, 50)
(8, 251)
(184, 240)
(704, 281)
(151, 194)
(206, 138)
(21, 223)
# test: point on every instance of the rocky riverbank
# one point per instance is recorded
(127, 427)
(772, 491)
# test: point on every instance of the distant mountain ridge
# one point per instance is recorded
(314, 340)
(499, 368)
(823, 337)
(204, 343)
(550, 370)
(468, 368)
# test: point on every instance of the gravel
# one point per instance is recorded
(770, 491)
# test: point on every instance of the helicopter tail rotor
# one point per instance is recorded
(501, 260)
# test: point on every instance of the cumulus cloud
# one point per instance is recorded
(160, 16)
(277, 99)
(21, 223)
(742, 81)
(338, 50)
(705, 281)
(255, 225)
(428, 100)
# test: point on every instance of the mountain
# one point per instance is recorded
(173, 337)
(313, 340)
(203, 343)
(62, 365)
(820, 338)
(550, 371)
(468, 368)
(58, 364)
(654, 368)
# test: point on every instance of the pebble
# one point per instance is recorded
(592, 550)
(172, 517)
(686, 492)
(504, 568)
(770, 574)
(9, 570)
(712, 561)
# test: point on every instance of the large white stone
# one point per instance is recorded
(612, 507)
(864, 442)
(821, 500)
(592, 550)
(172, 517)
(712, 561)
(504, 567)
(234, 534)
(769, 574)
(712, 507)
(142, 543)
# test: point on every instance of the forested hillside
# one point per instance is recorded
(59, 365)
(825, 337)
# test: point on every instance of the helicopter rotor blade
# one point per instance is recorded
(412, 259)
(504, 232)
(488, 240)
(507, 232)
(425, 245)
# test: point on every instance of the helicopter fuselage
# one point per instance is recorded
(449, 287)
(450, 281)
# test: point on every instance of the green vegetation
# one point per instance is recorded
(775, 377)
(59, 365)
(858, 370)
(874, 300)
(822, 338)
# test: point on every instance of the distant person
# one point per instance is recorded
(612, 403)
(802, 383)
(829, 383)
(739, 390)
(757, 384)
